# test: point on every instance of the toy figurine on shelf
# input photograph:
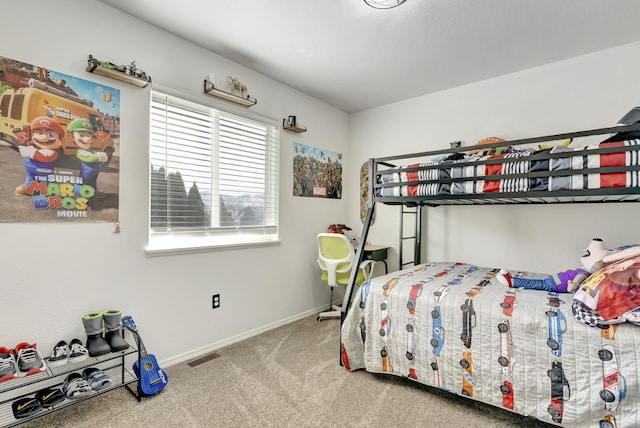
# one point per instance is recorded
(234, 83)
(133, 70)
(104, 64)
(130, 69)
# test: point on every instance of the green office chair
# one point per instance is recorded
(336, 258)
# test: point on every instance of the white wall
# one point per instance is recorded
(581, 93)
(53, 273)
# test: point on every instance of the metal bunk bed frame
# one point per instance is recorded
(496, 198)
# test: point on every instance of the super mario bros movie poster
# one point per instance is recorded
(317, 173)
(59, 146)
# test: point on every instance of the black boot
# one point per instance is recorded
(113, 330)
(95, 341)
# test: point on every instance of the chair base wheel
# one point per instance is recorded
(319, 318)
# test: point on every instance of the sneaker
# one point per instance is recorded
(504, 277)
(49, 397)
(28, 359)
(77, 352)
(96, 378)
(25, 407)
(7, 364)
(60, 354)
(75, 386)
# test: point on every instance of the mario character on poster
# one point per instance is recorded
(59, 146)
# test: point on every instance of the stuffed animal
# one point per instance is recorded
(565, 143)
(562, 282)
(489, 151)
(611, 295)
(595, 257)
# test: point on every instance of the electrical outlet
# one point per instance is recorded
(215, 301)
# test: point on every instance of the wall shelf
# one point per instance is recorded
(209, 89)
(95, 68)
(293, 128)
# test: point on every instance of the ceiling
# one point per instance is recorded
(354, 57)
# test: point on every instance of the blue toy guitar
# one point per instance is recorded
(151, 379)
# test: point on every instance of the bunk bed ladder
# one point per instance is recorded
(406, 215)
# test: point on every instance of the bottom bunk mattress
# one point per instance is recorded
(454, 327)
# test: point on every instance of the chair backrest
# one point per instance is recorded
(335, 257)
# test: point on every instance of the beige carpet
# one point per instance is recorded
(288, 377)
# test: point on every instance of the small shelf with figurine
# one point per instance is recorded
(125, 73)
(244, 100)
(291, 124)
(294, 128)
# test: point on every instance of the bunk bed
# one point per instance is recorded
(453, 326)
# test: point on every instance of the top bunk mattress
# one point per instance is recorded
(607, 171)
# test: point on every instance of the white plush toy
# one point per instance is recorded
(596, 252)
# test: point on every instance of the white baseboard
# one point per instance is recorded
(198, 352)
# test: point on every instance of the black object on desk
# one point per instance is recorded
(377, 253)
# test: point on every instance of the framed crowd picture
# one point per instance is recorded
(317, 173)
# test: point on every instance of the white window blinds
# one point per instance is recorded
(214, 177)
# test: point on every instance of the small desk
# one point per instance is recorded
(377, 253)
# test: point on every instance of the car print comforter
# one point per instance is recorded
(454, 327)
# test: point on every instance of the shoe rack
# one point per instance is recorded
(112, 364)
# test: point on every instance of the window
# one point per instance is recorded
(213, 177)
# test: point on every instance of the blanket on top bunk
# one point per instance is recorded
(454, 327)
(526, 172)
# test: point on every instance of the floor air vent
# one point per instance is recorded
(204, 359)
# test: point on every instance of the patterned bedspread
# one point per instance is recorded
(454, 327)
(524, 171)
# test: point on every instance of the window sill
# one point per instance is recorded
(160, 252)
